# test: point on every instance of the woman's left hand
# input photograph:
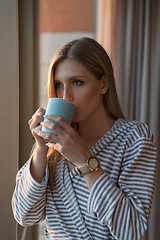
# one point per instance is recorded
(67, 142)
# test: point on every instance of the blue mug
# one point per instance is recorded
(59, 107)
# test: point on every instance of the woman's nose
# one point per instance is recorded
(67, 94)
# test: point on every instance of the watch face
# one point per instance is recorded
(93, 164)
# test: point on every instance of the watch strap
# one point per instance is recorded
(82, 170)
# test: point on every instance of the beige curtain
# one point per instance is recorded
(130, 31)
(107, 24)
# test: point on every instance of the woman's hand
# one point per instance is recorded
(39, 159)
(68, 142)
(35, 126)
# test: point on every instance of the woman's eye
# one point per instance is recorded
(78, 82)
(57, 85)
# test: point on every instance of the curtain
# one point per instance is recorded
(130, 32)
(107, 24)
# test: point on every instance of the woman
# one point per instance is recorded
(96, 180)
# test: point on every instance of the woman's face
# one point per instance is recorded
(76, 84)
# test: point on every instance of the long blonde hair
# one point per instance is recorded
(95, 59)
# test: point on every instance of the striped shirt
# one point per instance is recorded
(119, 204)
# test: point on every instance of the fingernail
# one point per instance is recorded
(36, 131)
(45, 116)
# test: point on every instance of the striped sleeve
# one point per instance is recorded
(29, 197)
(124, 206)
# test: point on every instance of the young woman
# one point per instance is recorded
(96, 180)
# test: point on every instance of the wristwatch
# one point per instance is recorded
(91, 165)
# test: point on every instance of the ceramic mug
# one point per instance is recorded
(59, 107)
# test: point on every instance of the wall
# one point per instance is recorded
(9, 108)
